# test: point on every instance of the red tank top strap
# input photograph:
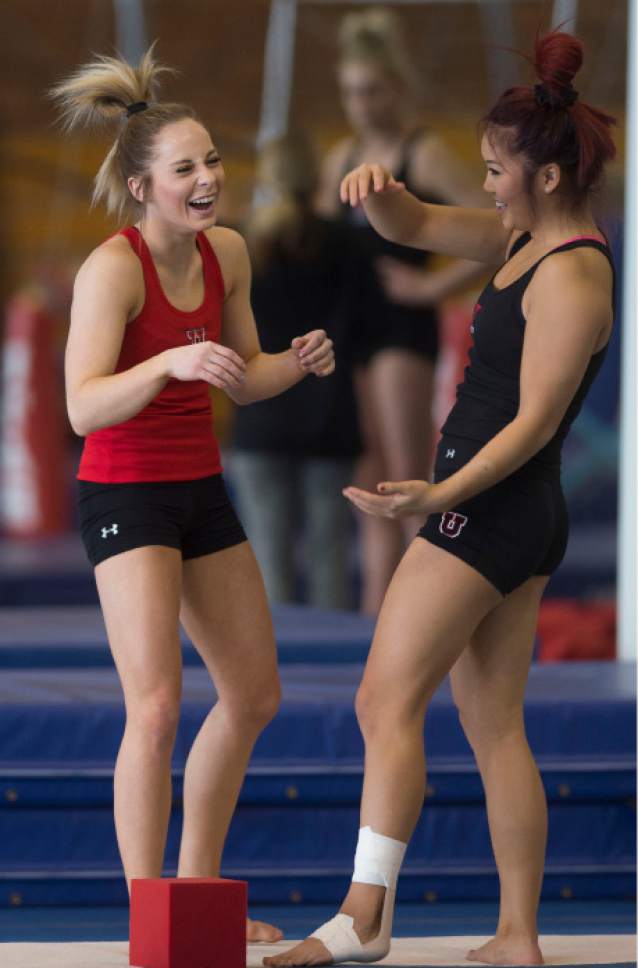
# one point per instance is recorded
(211, 264)
(152, 285)
(213, 279)
(138, 245)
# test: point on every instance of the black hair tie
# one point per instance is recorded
(544, 97)
(135, 108)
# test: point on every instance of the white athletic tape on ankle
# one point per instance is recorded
(378, 859)
(339, 938)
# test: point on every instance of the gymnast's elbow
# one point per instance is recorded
(79, 424)
(82, 422)
(538, 429)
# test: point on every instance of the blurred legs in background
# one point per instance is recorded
(273, 493)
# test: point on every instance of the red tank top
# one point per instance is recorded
(172, 439)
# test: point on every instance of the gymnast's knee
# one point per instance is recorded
(252, 712)
(486, 726)
(382, 713)
(153, 720)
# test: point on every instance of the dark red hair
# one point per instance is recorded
(544, 123)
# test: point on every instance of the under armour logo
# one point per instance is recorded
(452, 523)
(450, 452)
(112, 530)
(196, 335)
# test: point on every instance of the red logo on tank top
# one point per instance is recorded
(452, 523)
(196, 335)
(475, 312)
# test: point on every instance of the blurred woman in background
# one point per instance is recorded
(396, 382)
(295, 453)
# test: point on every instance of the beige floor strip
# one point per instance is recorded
(558, 950)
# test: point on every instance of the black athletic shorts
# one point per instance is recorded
(196, 517)
(516, 529)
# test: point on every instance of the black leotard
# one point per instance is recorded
(488, 397)
(518, 528)
(394, 325)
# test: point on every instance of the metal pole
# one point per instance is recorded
(130, 29)
(498, 39)
(565, 14)
(278, 67)
(628, 514)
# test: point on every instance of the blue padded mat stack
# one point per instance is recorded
(61, 719)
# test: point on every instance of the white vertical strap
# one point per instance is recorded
(130, 29)
(628, 516)
(501, 69)
(278, 66)
(565, 13)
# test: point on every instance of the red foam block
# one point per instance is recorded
(188, 922)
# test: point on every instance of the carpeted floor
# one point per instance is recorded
(581, 950)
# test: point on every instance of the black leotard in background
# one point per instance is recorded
(324, 284)
(393, 325)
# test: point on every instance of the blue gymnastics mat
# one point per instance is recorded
(60, 637)
(294, 832)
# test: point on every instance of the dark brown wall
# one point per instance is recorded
(217, 46)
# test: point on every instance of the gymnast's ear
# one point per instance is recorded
(550, 178)
(136, 188)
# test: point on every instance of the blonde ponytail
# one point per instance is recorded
(102, 92)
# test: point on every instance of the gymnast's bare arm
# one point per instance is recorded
(267, 374)
(467, 233)
(108, 294)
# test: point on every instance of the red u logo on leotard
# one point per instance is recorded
(452, 523)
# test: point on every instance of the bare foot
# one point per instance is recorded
(364, 904)
(512, 950)
(309, 952)
(313, 952)
(260, 931)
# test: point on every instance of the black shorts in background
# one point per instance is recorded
(195, 517)
(514, 530)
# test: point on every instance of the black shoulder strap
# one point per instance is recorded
(583, 242)
(521, 241)
(411, 138)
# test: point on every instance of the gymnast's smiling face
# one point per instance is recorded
(507, 181)
(523, 194)
(184, 179)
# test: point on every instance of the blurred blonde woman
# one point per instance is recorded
(160, 313)
(295, 453)
(395, 385)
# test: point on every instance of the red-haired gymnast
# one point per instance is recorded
(464, 599)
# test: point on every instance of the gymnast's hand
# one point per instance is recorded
(215, 364)
(315, 352)
(395, 498)
(358, 183)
